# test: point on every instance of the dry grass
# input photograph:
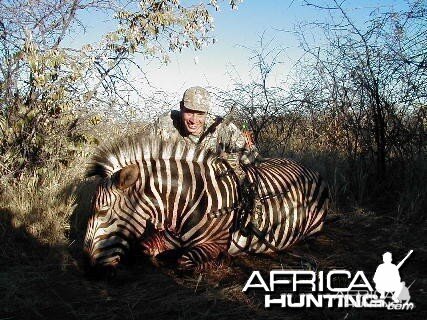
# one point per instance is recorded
(49, 284)
(42, 221)
(40, 204)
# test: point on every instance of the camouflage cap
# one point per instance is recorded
(196, 98)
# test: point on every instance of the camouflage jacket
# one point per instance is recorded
(218, 135)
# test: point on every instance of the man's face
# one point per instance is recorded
(194, 121)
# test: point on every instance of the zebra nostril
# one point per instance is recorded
(95, 270)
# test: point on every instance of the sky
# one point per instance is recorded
(237, 32)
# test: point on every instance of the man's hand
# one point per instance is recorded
(249, 137)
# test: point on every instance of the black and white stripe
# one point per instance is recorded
(190, 197)
(179, 189)
(294, 202)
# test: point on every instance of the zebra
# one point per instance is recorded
(176, 196)
(183, 192)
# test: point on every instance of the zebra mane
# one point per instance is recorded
(111, 157)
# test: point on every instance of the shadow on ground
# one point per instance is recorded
(38, 281)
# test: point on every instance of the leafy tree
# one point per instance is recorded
(45, 85)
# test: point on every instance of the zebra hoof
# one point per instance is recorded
(186, 264)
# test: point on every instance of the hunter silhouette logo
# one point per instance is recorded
(387, 279)
(335, 288)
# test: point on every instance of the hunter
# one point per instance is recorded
(194, 123)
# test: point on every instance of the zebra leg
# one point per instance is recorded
(158, 242)
(202, 256)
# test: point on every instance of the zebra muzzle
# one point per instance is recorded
(93, 269)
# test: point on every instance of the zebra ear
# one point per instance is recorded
(126, 177)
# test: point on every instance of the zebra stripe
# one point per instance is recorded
(176, 187)
(294, 202)
(190, 197)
